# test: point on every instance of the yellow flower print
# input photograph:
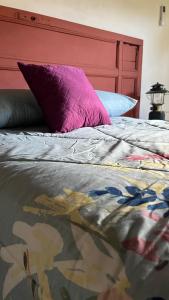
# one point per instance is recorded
(68, 204)
(33, 256)
(94, 270)
(154, 165)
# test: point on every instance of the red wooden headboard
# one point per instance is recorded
(111, 61)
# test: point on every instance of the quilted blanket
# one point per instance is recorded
(84, 215)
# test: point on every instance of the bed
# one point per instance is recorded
(83, 214)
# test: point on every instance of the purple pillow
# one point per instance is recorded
(67, 99)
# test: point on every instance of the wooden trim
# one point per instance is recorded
(32, 19)
(119, 60)
(139, 69)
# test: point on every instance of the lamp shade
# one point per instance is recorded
(157, 93)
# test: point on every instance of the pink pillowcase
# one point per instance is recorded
(66, 97)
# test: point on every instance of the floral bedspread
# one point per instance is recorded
(84, 215)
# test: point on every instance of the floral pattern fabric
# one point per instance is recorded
(84, 215)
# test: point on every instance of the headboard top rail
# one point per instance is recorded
(37, 20)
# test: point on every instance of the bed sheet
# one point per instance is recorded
(84, 215)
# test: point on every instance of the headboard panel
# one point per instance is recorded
(111, 61)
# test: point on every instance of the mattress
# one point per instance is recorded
(84, 215)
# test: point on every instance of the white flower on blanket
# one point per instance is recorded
(93, 270)
(42, 244)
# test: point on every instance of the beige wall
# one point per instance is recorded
(137, 18)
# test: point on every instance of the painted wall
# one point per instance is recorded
(130, 17)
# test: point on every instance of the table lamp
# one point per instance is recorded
(157, 94)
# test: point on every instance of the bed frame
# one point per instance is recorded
(111, 61)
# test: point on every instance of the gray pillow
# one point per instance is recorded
(19, 108)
